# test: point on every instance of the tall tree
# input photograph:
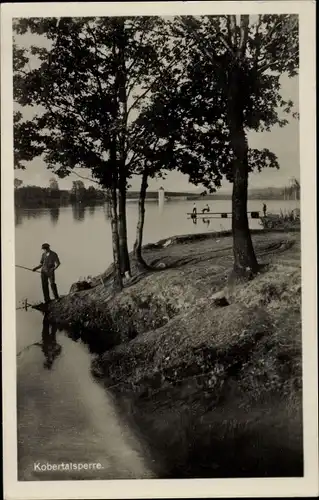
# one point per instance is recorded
(166, 141)
(153, 147)
(234, 78)
(90, 84)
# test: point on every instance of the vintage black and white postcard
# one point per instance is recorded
(159, 250)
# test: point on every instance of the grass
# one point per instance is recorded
(287, 221)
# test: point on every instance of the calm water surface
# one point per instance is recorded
(63, 414)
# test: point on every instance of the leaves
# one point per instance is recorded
(84, 74)
(259, 52)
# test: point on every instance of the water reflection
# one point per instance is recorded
(54, 214)
(35, 213)
(18, 217)
(91, 210)
(78, 211)
(160, 208)
(107, 211)
(30, 213)
(50, 348)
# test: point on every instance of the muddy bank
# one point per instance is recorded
(187, 270)
(214, 391)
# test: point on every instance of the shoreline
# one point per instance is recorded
(102, 295)
(153, 252)
(179, 199)
(174, 360)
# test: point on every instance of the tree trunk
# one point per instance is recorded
(118, 283)
(245, 262)
(124, 255)
(121, 83)
(140, 223)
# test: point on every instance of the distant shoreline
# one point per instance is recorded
(54, 206)
(208, 198)
(37, 197)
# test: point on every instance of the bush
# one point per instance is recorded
(284, 220)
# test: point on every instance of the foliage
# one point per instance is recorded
(77, 86)
(288, 220)
(73, 83)
(17, 183)
(202, 96)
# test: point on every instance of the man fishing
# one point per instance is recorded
(48, 265)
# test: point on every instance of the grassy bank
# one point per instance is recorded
(212, 391)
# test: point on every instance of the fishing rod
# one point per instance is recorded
(28, 347)
(25, 305)
(27, 268)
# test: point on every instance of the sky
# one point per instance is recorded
(284, 142)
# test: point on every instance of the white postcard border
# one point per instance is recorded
(188, 488)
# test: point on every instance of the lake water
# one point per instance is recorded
(82, 236)
(64, 415)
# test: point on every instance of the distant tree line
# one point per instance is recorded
(269, 193)
(53, 196)
(291, 192)
(263, 194)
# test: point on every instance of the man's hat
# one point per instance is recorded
(45, 246)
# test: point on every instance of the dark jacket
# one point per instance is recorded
(49, 261)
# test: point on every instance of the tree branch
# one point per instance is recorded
(267, 65)
(133, 162)
(68, 108)
(130, 88)
(137, 56)
(257, 53)
(23, 72)
(232, 33)
(85, 178)
(149, 88)
(244, 24)
(198, 39)
(268, 36)
(209, 52)
(226, 44)
(264, 67)
(122, 73)
(228, 29)
(95, 73)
